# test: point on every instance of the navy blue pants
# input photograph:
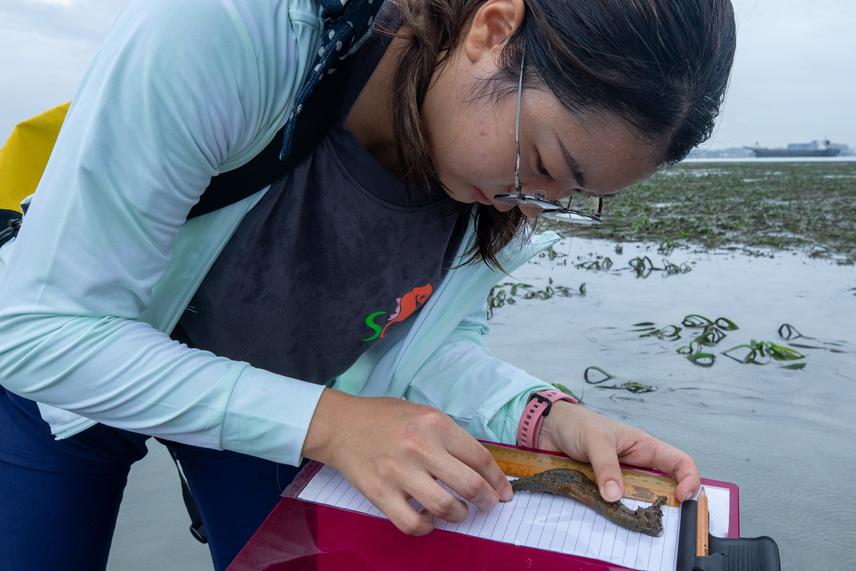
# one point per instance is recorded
(59, 498)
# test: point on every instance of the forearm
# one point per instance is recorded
(128, 375)
(483, 394)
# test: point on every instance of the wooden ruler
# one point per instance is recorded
(638, 485)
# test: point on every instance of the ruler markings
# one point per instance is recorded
(638, 485)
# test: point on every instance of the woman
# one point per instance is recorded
(315, 305)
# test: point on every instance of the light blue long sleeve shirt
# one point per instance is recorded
(106, 262)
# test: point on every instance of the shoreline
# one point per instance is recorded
(844, 159)
(782, 205)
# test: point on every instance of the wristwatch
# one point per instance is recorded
(536, 410)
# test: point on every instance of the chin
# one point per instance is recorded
(462, 194)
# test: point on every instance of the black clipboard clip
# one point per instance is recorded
(726, 554)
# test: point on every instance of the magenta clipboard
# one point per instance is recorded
(299, 535)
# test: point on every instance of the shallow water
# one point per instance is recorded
(844, 159)
(786, 437)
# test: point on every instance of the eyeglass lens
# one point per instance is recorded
(581, 208)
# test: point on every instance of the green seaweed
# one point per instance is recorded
(600, 263)
(568, 391)
(506, 293)
(642, 265)
(797, 340)
(668, 333)
(713, 331)
(702, 359)
(602, 377)
(762, 353)
(799, 206)
(695, 320)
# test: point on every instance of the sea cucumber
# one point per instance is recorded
(574, 484)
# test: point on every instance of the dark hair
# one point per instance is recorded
(660, 65)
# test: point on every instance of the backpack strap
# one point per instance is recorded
(223, 190)
(197, 526)
(317, 117)
(347, 25)
(236, 185)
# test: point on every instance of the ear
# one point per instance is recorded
(494, 22)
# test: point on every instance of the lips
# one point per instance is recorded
(480, 197)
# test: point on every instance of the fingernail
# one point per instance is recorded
(611, 491)
(507, 493)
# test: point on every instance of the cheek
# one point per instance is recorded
(480, 155)
(464, 153)
(472, 151)
(477, 155)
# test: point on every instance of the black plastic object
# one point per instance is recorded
(10, 223)
(197, 527)
(726, 554)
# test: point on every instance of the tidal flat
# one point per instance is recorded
(762, 251)
(809, 207)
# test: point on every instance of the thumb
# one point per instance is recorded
(600, 450)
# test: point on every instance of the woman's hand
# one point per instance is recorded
(392, 450)
(589, 437)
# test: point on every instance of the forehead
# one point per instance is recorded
(610, 153)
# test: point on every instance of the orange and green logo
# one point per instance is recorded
(406, 306)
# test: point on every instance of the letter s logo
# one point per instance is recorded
(374, 326)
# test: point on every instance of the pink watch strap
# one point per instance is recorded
(533, 415)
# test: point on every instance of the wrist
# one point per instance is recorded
(322, 427)
(561, 413)
(535, 412)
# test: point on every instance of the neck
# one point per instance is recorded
(371, 118)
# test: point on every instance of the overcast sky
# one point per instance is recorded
(794, 78)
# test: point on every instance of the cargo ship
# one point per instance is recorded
(812, 149)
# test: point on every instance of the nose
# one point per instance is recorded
(550, 189)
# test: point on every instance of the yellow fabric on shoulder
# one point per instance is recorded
(25, 155)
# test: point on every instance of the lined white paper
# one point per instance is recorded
(544, 521)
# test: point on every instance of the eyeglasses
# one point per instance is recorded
(581, 208)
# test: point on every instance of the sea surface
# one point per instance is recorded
(786, 437)
(845, 159)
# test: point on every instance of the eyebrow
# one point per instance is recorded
(573, 165)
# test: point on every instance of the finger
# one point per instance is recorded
(678, 463)
(468, 450)
(467, 482)
(649, 451)
(601, 452)
(402, 514)
(438, 500)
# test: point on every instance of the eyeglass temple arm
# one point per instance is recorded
(517, 186)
